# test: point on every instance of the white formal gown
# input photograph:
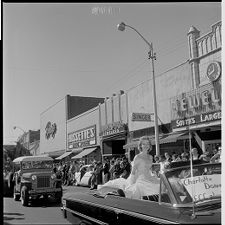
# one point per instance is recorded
(141, 184)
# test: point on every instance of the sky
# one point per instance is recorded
(54, 49)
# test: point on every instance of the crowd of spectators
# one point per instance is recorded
(102, 171)
(120, 167)
(206, 156)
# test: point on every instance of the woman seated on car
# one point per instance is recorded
(141, 181)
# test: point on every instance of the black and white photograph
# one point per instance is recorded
(112, 113)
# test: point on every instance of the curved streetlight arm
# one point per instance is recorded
(152, 56)
(149, 44)
(19, 128)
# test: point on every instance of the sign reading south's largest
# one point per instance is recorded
(198, 106)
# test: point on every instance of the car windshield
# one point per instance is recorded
(203, 186)
(37, 165)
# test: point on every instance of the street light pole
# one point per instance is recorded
(152, 56)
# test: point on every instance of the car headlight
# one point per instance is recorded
(34, 177)
(63, 201)
(53, 176)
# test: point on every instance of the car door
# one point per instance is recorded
(148, 210)
(86, 178)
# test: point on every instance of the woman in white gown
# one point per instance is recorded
(141, 181)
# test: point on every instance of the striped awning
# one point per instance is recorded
(172, 138)
(64, 155)
(84, 153)
(167, 138)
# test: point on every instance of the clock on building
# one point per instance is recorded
(213, 71)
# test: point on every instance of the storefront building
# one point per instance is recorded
(53, 123)
(113, 125)
(82, 136)
(190, 91)
(200, 109)
(141, 111)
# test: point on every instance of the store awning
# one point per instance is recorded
(171, 138)
(162, 140)
(84, 153)
(64, 155)
(133, 144)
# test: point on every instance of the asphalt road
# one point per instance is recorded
(40, 212)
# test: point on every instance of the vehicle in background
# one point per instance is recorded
(33, 177)
(186, 195)
(84, 178)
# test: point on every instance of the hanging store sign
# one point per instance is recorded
(113, 128)
(198, 106)
(141, 116)
(202, 118)
(82, 138)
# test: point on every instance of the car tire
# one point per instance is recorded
(24, 196)
(16, 196)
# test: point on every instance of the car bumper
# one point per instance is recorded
(45, 191)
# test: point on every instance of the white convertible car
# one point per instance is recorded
(85, 180)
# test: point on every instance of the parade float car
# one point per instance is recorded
(34, 177)
(188, 194)
(85, 180)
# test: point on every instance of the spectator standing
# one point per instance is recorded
(205, 156)
(71, 173)
(217, 157)
(106, 173)
(64, 172)
(195, 155)
(176, 158)
(184, 156)
(82, 171)
(67, 173)
(168, 158)
(111, 169)
(54, 168)
(117, 169)
(125, 168)
(156, 159)
(96, 176)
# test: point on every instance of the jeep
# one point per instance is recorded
(33, 177)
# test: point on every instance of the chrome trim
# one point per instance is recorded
(84, 216)
(48, 190)
(138, 215)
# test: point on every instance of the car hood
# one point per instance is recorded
(141, 207)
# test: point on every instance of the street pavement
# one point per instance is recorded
(40, 212)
